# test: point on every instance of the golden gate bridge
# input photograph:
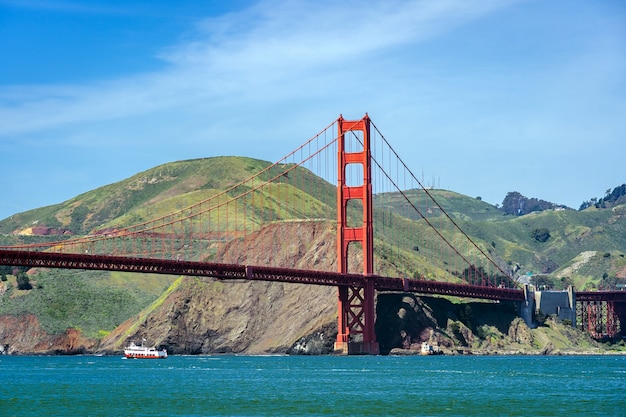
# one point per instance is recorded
(347, 177)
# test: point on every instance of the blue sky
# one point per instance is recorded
(486, 97)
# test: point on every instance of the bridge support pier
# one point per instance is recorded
(601, 319)
(561, 303)
(356, 317)
(356, 348)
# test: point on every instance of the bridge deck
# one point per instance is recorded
(264, 273)
(248, 272)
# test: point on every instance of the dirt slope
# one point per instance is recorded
(212, 316)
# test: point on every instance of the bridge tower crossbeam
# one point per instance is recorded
(356, 306)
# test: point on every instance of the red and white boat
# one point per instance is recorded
(133, 351)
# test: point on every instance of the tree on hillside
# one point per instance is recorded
(611, 198)
(516, 204)
(23, 282)
(611, 283)
(543, 282)
(617, 196)
(474, 275)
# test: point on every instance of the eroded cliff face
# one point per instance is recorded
(205, 315)
(23, 335)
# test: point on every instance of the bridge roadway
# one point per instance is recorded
(248, 272)
(264, 273)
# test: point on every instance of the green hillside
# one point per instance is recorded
(151, 193)
(584, 248)
(458, 206)
(94, 301)
(97, 301)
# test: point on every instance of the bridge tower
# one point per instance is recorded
(356, 310)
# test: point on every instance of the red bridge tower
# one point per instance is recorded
(356, 313)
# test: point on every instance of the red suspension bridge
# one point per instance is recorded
(347, 177)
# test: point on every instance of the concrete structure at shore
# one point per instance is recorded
(547, 303)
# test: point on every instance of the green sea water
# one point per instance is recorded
(313, 386)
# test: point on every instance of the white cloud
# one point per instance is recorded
(273, 51)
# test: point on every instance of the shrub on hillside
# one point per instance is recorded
(540, 234)
(23, 282)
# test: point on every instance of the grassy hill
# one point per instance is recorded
(151, 193)
(93, 301)
(458, 206)
(97, 302)
(585, 248)
(582, 248)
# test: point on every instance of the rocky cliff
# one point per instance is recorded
(23, 335)
(204, 315)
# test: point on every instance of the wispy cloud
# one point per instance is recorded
(275, 50)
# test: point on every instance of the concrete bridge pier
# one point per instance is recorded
(561, 303)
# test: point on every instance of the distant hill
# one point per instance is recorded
(555, 247)
(148, 194)
(583, 248)
(610, 199)
(457, 205)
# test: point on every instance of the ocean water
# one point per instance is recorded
(313, 386)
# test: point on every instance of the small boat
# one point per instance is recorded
(133, 351)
